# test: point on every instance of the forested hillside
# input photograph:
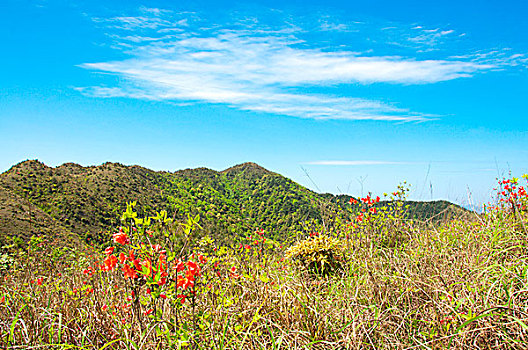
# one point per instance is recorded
(88, 200)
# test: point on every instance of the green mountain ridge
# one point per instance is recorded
(88, 200)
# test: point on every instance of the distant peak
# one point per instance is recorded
(249, 167)
(30, 164)
(70, 165)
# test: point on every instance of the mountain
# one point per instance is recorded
(87, 201)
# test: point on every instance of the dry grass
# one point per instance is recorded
(461, 284)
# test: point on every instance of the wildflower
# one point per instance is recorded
(193, 268)
(110, 263)
(39, 281)
(121, 237)
(163, 296)
(122, 257)
(109, 250)
(180, 266)
(148, 312)
(182, 297)
(137, 264)
(2, 299)
(104, 307)
(129, 272)
(184, 283)
(232, 272)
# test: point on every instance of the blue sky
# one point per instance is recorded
(342, 98)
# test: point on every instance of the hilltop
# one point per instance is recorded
(88, 200)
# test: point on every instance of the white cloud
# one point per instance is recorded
(261, 69)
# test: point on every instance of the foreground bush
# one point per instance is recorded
(400, 285)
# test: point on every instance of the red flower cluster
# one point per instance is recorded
(233, 273)
(121, 237)
(191, 271)
(370, 201)
(513, 194)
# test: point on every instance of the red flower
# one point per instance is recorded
(233, 274)
(39, 281)
(110, 263)
(109, 250)
(122, 257)
(137, 264)
(121, 237)
(182, 297)
(129, 272)
(193, 268)
(180, 266)
(148, 312)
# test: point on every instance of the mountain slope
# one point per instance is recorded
(88, 200)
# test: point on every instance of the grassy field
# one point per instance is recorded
(377, 281)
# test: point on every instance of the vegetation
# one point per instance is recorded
(394, 283)
(87, 201)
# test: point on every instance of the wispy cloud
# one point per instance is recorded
(256, 68)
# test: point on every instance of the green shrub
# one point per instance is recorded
(320, 255)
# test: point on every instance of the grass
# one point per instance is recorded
(459, 284)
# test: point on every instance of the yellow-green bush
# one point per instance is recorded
(320, 254)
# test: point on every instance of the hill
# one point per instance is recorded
(89, 200)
